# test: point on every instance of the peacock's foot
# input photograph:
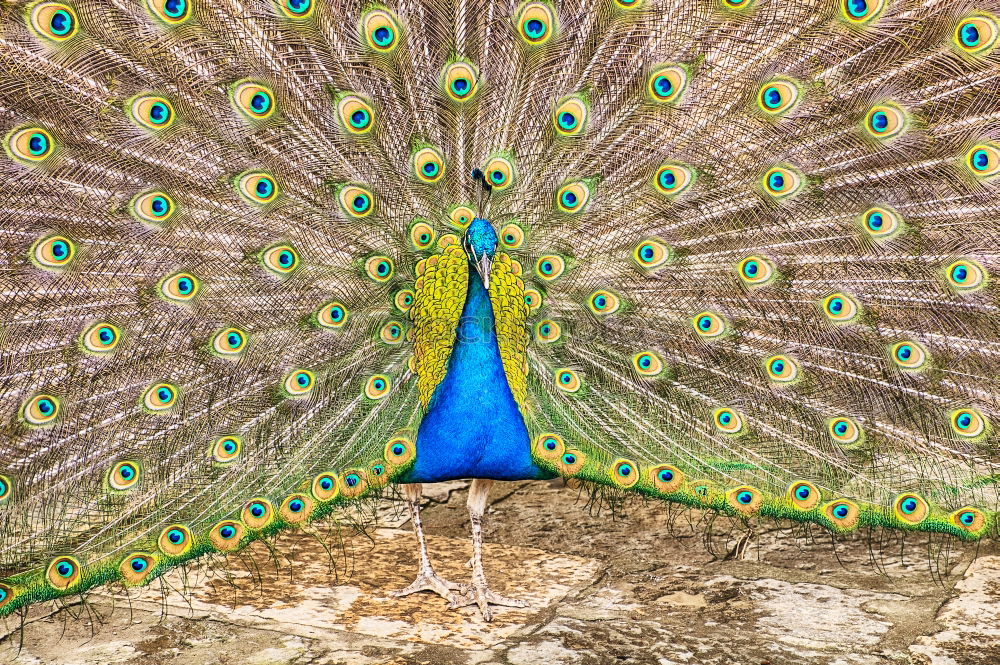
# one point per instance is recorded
(483, 596)
(428, 580)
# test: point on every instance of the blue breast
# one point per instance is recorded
(473, 428)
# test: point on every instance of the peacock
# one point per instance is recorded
(265, 260)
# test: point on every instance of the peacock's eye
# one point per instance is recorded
(381, 30)
(296, 8)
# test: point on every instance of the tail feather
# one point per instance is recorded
(756, 241)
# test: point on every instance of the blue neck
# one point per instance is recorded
(473, 427)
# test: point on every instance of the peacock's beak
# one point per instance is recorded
(483, 265)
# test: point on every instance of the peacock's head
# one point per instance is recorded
(481, 245)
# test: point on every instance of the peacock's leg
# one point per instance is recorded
(479, 592)
(427, 579)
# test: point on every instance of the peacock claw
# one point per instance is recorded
(430, 581)
(483, 596)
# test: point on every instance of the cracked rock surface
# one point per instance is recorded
(637, 584)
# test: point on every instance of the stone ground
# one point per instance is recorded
(641, 587)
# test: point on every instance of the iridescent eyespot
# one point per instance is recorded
(296, 508)
(628, 4)
(160, 397)
(299, 382)
(170, 11)
(40, 409)
(151, 112)
(547, 331)
(403, 300)
(6, 487)
(885, 121)
(512, 236)
(549, 267)
(666, 478)
(911, 508)
(136, 567)
(571, 462)
(703, 490)
(804, 495)
(153, 207)
(257, 187)
(280, 259)
(461, 216)
(180, 287)
(709, 325)
(30, 144)
(737, 4)
(843, 515)
(755, 271)
(969, 519)
(377, 475)
(983, 160)
(976, 34)
(535, 23)
(355, 114)
(859, 12)
(603, 303)
(745, 499)
(572, 197)
(499, 173)
(54, 20)
(624, 473)
(968, 423)
(356, 201)
(428, 164)
(460, 81)
(570, 116)
(253, 100)
(123, 476)
(325, 487)
(647, 363)
(448, 239)
(909, 355)
(549, 446)
(672, 179)
(650, 254)
(781, 369)
(380, 30)
(257, 513)
(881, 223)
(728, 421)
(295, 8)
(63, 572)
(781, 182)
(377, 386)
(567, 380)
(965, 275)
(844, 430)
(227, 535)
(533, 299)
(175, 540)
(392, 332)
(229, 342)
(777, 97)
(840, 308)
(379, 268)
(667, 83)
(331, 315)
(53, 253)
(225, 449)
(353, 483)
(421, 235)
(398, 451)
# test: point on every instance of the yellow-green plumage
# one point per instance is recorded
(746, 261)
